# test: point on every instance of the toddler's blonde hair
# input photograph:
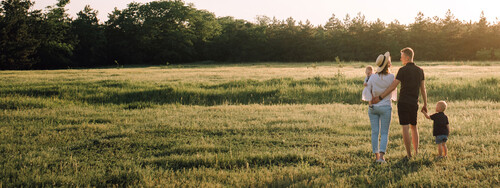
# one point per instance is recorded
(442, 105)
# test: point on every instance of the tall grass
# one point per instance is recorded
(316, 90)
(154, 127)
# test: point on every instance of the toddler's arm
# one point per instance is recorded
(425, 114)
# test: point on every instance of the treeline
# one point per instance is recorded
(165, 32)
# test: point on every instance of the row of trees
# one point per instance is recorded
(175, 32)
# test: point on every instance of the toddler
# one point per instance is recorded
(440, 127)
(367, 94)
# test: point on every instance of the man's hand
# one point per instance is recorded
(387, 91)
(424, 108)
(424, 111)
(365, 84)
(375, 100)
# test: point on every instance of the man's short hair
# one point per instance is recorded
(408, 52)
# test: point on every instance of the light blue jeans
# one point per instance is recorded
(380, 119)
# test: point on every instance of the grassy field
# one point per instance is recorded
(237, 125)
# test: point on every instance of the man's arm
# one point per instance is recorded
(387, 91)
(424, 95)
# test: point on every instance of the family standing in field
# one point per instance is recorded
(380, 89)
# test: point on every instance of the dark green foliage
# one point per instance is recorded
(171, 31)
(57, 40)
(159, 32)
(17, 42)
(238, 41)
(90, 51)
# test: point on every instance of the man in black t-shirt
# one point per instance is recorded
(411, 78)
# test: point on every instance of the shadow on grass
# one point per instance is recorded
(316, 90)
(224, 132)
(191, 151)
(171, 96)
(380, 175)
(227, 162)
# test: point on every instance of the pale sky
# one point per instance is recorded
(316, 11)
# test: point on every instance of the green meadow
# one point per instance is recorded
(237, 125)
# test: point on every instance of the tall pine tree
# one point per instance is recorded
(57, 40)
(90, 50)
(17, 43)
